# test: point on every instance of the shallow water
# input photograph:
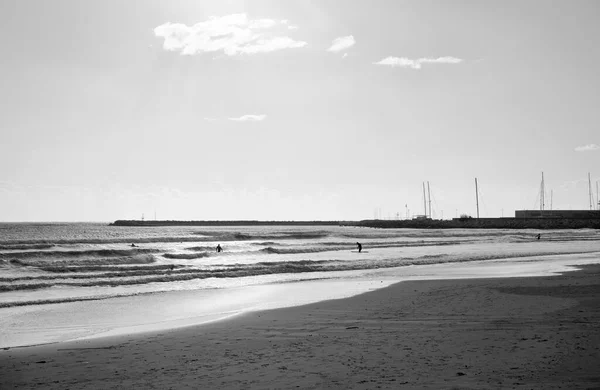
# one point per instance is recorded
(80, 280)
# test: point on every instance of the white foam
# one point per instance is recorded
(31, 325)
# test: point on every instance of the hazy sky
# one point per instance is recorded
(295, 109)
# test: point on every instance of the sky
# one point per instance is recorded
(295, 110)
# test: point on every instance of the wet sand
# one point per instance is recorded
(539, 332)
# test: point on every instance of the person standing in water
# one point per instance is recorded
(219, 249)
(359, 246)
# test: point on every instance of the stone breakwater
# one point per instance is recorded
(456, 223)
(484, 223)
(151, 223)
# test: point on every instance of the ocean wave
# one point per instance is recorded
(268, 268)
(186, 256)
(286, 251)
(101, 268)
(341, 246)
(103, 277)
(123, 272)
(123, 240)
(50, 264)
(236, 236)
(105, 253)
(201, 248)
(10, 247)
(59, 300)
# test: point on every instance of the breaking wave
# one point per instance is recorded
(126, 240)
(282, 251)
(9, 247)
(75, 253)
(115, 272)
(221, 236)
(49, 264)
(245, 270)
(186, 256)
(96, 268)
(201, 248)
(76, 262)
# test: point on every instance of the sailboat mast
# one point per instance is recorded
(597, 199)
(542, 190)
(590, 189)
(429, 196)
(424, 200)
(477, 198)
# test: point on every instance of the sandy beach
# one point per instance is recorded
(537, 332)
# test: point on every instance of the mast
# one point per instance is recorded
(424, 200)
(429, 195)
(590, 189)
(477, 197)
(542, 190)
(597, 199)
(551, 195)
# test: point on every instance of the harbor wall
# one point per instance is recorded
(151, 223)
(485, 223)
(456, 223)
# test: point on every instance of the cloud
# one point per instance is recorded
(289, 26)
(232, 34)
(587, 148)
(8, 186)
(249, 118)
(404, 62)
(342, 43)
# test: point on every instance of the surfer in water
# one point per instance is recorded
(219, 249)
(359, 246)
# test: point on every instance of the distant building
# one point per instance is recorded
(573, 214)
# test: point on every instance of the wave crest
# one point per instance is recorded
(186, 256)
(51, 265)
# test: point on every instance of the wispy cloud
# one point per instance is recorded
(587, 148)
(8, 186)
(249, 118)
(341, 43)
(289, 26)
(232, 34)
(404, 62)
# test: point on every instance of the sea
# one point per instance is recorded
(64, 281)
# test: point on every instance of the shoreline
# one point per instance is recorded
(167, 310)
(538, 332)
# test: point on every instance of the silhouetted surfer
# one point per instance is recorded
(133, 245)
(359, 247)
(219, 249)
(539, 236)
